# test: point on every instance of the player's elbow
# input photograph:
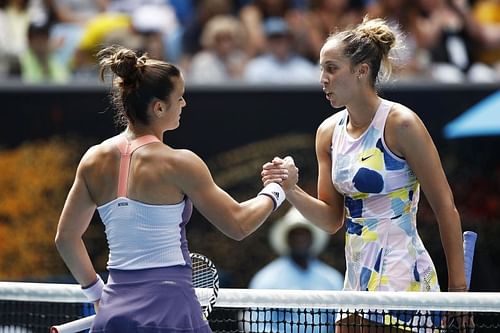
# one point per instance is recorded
(447, 213)
(63, 240)
(240, 232)
(231, 228)
(331, 227)
(59, 240)
(236, 235)
(243, 222)
(239, 237)
(445, 208)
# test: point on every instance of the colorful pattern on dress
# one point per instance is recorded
(383, 249)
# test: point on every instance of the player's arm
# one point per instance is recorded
(234, 219)
(407, 136)
(74, 220)
(327, 210)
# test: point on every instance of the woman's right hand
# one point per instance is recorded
(281, 171)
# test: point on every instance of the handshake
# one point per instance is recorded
(282, 171)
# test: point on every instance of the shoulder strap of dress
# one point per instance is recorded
(126, 149)
(382, 113)
(339, 121)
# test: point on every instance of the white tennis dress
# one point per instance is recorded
(383, 249)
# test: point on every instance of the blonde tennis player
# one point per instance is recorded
(144, 191)
(373, 157)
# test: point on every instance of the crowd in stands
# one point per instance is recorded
(248, 41)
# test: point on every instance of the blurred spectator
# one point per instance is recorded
(298, 242)
(326, 16)
(155, 20)
(256, 12)
(69, 19)
(448, 31)
(222, 58)
(402, 16)
(393, 11)
(38, 64)
(191, 37)
(15, 17)
(129, 6)
(280, 64)
(184, 9)
(159, 27)
(144, 29)
(103, 29)
(445, 40)
(487, 14)
(76, 11)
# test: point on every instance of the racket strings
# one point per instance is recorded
(205, 280)
(203, 276)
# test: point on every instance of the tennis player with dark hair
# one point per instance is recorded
(373, 157)
(144, 191)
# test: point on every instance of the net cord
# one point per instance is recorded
(294, 299)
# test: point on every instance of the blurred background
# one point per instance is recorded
(251, 70)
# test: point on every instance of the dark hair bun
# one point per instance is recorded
(123, 62)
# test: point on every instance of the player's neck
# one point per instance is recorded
(362, 111)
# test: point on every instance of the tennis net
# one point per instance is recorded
(34, 307)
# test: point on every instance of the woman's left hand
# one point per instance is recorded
(274, 171)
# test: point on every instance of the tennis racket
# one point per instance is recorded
(205, 281)
(469, 246)
(464, 322)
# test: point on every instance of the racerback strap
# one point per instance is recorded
(126, 149)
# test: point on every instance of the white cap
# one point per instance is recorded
(155, 18)
(278, 235)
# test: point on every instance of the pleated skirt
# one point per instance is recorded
(156, 300)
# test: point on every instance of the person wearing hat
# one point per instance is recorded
(298, 242)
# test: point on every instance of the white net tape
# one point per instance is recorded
(242, 298)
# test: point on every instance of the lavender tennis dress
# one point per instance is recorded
(149, 288)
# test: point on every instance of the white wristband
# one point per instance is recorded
(275, 192)
(93, 292)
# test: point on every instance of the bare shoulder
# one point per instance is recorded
(186, 169)
(184, 158)
(403, 130)
(324, 133)
(180, 163)
(326, 127)
(401, 118)
(97, 154)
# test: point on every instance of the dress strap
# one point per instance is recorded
(382, 113)
(340, 119)
(126, 149)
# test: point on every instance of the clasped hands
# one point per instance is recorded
(282, 171)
